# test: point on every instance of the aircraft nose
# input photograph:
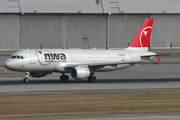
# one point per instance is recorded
(8, 65)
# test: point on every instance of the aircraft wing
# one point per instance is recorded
(108, 63)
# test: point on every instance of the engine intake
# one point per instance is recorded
(80, 72)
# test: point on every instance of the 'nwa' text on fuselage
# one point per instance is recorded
(54, 56)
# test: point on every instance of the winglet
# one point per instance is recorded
(159, 60)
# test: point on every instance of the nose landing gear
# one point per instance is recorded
(26, 79)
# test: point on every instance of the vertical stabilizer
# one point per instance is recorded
(142, 38)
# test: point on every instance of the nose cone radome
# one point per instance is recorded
(9, 65)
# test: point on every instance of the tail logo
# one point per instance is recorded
(145, 31)
(142, 38)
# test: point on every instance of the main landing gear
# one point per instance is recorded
(91, 79)
(26, 79)
(64, 78)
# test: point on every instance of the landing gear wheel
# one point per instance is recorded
(26, 80)
(64, 78)
(91, 79)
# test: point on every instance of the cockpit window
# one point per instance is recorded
(17, 57)
(13, 57)
(22, 57)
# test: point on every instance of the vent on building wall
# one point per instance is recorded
(114, 6)
(85, 43)
(14, 5)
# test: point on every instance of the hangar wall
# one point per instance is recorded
(19, 31)
(40, 29)
(9, 31)
(166, 30)
(56, 31)
(86, 23)
(78, 31)
(123, 28)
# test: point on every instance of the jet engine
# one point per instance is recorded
(80, 72)
(38, 74)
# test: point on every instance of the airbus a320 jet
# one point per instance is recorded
(82, 64)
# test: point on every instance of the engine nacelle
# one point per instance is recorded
(80, 72)
(38, 74)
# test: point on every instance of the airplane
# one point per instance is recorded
(82, 64)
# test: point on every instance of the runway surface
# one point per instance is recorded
(137, 78)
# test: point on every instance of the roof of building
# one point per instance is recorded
(89, 6)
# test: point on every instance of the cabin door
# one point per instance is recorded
(32, 58)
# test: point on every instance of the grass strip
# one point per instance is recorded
(93, 103)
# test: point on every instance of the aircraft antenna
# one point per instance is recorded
(40, 46)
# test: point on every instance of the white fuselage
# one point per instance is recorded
(56, 60)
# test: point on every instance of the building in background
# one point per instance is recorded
(86, 24)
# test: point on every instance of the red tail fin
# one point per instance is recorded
(142, 38)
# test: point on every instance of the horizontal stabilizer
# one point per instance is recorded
(145, 57)
(159, 60)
